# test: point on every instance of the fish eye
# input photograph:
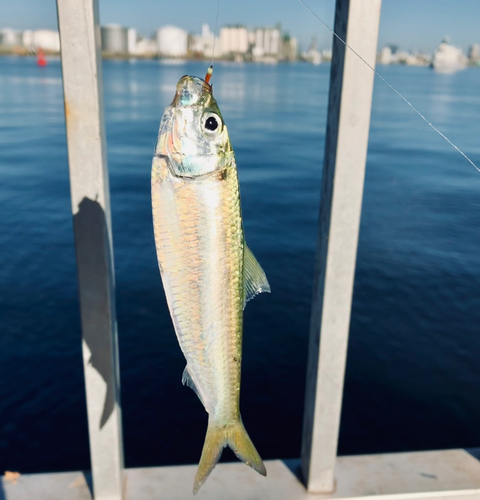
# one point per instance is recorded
(212, 123)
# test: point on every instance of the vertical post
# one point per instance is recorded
(350, 98)
(82, 85)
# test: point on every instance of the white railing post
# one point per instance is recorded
(351, 87)
(82, 85)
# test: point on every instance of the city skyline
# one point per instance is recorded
(411, 24)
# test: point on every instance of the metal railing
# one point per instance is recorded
(87, 157)
(351, 88)
(348, 124)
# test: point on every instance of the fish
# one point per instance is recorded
(208, 272)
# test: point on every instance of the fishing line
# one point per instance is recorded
(429, 123)
(210, 69)
(215, 30)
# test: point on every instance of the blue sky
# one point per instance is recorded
(417, 24)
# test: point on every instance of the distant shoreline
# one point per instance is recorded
(154, 57)
(20, 52)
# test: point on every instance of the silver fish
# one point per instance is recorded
(207, 270)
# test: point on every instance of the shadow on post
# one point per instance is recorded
(97, 295)
(2, 491)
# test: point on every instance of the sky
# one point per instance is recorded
(410, 24)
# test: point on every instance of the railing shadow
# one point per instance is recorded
(295, 466)
(88, 479)
(475, 452)
(96, 294)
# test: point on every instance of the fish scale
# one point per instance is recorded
(190, 274)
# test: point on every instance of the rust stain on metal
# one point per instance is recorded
(11, 476)
(77, 483)
(68, 112)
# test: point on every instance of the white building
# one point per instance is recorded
(132, 41)
(266, 43)
(146, 47)
(46, 39)
(139, 46)
(385, 56)
(10, 38)
(205, 43)
(172, 41)
(327, 54)
(404, 57)
(234, 40)
(27, 39)
(313, 55)
(447, 58)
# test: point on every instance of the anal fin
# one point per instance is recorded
(188, 380)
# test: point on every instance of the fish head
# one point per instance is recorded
(193, 136)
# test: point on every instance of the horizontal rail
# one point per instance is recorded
(436, 475)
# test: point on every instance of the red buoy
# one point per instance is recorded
(41, 60)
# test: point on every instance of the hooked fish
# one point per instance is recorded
(207, 270)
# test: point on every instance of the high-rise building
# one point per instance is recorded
(132, 41)
(234, 40)
(267, 43)
(204, 44)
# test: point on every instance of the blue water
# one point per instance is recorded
(413, 371)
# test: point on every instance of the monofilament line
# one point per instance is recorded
(430, 124)
(215, 30)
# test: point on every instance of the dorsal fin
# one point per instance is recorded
(254, 278)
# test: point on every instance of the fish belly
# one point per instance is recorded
(199, 241)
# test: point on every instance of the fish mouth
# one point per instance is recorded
(191, 91)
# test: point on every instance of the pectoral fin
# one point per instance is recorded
(254, 279)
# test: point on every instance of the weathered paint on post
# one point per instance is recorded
(351, 87)
(82, 84)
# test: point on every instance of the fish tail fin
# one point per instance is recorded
(215, 441)
(241, 444)
(218, 437)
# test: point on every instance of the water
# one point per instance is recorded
(413, 375)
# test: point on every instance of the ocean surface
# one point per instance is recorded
(413, 368)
